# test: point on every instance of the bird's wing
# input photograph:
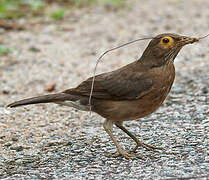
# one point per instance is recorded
(116, 85)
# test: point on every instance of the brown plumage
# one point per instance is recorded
(131, 92)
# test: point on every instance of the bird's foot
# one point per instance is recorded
(148, 147)
(128, 155)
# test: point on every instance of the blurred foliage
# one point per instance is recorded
(58, 14)
(19, 8)
(12, 9)
(113, 1)
(5, 50)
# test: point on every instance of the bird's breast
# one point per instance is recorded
(162, 80)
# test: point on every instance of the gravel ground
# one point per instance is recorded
(54, 142)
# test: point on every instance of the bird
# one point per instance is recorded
(129, 93)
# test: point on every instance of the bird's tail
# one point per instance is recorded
(59, 97)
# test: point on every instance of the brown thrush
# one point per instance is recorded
(129, 93)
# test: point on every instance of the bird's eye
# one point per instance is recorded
(166, 40)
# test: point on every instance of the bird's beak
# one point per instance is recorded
(188, 40)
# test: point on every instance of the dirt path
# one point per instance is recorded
(53, 142)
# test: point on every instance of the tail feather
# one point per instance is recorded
(43, 99)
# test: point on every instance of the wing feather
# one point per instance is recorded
(123, 84)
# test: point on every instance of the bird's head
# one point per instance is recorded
(165, 47)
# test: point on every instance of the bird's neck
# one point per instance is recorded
(149, 59)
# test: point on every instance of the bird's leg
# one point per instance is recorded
(138, 142)
(108, 128)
